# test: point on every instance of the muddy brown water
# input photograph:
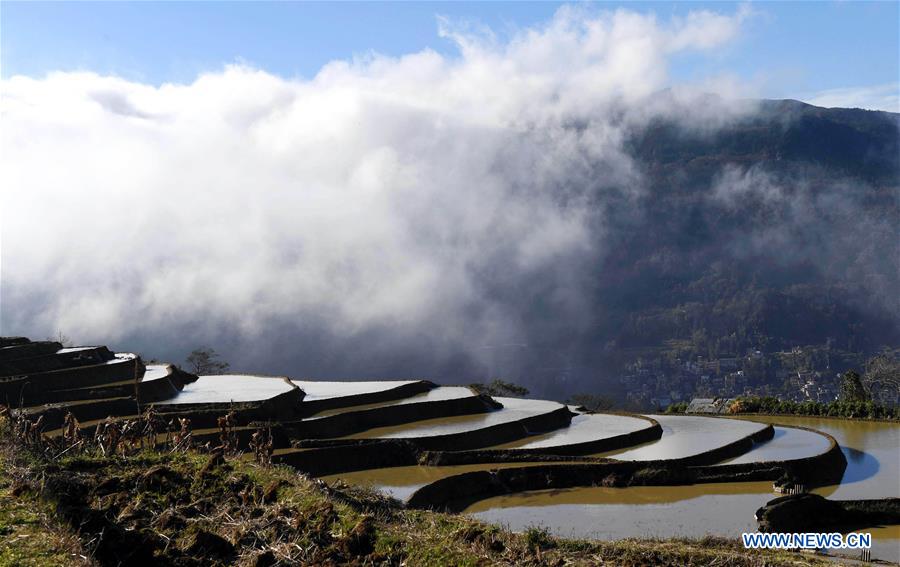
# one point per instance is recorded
(873, 471)
(872, 450)
(401, 482)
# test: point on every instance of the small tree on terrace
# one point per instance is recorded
(205, 361)
(61, 338)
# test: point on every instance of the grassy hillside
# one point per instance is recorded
(164, 508)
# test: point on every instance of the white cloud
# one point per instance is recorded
(384, 191)
(878, 97)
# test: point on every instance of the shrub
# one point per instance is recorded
(838, 408)
(538, 537)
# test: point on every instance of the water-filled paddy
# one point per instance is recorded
(70, 350)
(231, 388)
(885, 542)
(583, 428)
(787, 444)
(401, 482)
(638, 511)
(320, 390)
(514, 409)
(649, 511)
(873, 455)
(873, 470)
(436, 395)
(156, 371)
(686, 436)
(153, 372)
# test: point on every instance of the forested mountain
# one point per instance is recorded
(774, 228)
(779, 230)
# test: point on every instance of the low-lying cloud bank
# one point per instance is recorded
(449, 203)
(871, 97)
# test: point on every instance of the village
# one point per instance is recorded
(798, 375)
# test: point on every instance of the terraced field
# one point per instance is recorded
(440, 447)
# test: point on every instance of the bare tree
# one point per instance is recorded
(61, 338)
(205, 361)
(882, 377)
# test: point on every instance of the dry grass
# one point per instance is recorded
(30, 532)
(195, 509)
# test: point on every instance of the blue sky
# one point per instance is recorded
(786, 49)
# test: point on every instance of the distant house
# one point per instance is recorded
(702, 405)
(727, 364)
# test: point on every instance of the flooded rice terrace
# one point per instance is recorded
(231, 388)
(686, 436)
(582, 429)
(513, 409)
(873, 471)
(435, 446)
(605, 513)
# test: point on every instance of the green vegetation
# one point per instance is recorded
(839, 408)
(852, 389)
(539, 538)
(30, 534)
(855, 402)
(679, 407)
(134, 505)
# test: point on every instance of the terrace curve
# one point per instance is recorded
(787, 444)
(324, 396)
(697, 440)
(586, 434)
(453, 445)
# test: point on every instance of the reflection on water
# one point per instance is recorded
(873, 471)
(583, 428)
(638, 511)
(649, 511)
(860, 466)
(872, 450)
(321, 389)
(684, 436)
(439, 394)
(788, 443)
(632, 495)
(401, 482)
(227, 388)
(513, 409)
(885, 542)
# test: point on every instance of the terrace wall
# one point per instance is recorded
(312, 407)
(455, 493)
